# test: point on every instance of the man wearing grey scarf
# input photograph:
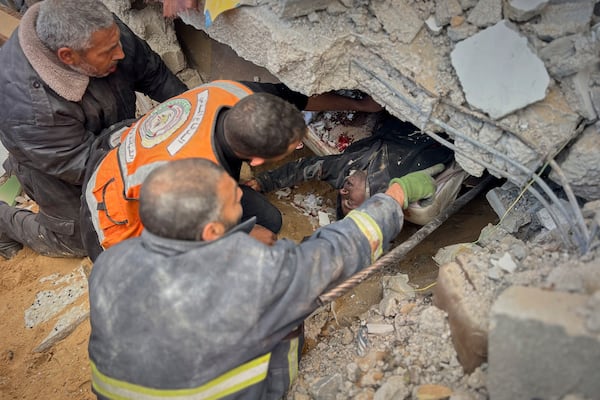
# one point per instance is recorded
(69, 72)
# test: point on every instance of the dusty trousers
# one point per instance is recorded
(28, 228)
(54, 231)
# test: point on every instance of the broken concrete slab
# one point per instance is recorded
(581, 164)
(579, 89)
(563, 18)
(347, 51)
(67, 323)
(523, 10)
(64, 290)
(570, 54)
(399, 20)
(539, 346)
(298, 8)
(498, 70)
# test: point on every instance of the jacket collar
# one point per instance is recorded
(174, 246)
(67, 83)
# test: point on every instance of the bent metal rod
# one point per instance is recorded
(397, 254)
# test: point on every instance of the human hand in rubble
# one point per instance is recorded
(253, 184)
(263, 235)
(416, 185)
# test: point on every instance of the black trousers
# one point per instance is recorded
(54, 231)
(255, 204)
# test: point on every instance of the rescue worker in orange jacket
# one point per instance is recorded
(227, 122)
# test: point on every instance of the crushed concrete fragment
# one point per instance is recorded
(445, 10)
(49, 303)
(67, 323)
(399, 19)
(561, 18)
(568, 55)
(523, 10)
(486, 13)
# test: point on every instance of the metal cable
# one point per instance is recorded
(530, 174)
(563, 234)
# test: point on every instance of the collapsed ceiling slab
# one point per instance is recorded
(386, 49)
(400, 52)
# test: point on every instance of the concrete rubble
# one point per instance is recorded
(523, 71)
(513, 83)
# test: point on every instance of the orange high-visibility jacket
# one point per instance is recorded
(181, 127)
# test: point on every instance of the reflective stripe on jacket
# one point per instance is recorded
(231, 382)
(181, 127)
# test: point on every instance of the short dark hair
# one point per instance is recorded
(180, 197)
(263, 125)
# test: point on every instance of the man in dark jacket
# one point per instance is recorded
(68, 72)
(196, 308)
(395, 149)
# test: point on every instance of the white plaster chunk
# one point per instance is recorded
(323, 218)
(380, 329)
(505, 263)
(498, 71)
(432, 25)
(398, 19)
(523, 10)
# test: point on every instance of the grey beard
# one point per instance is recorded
(88, 70)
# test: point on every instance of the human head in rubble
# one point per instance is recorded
(89, 43)
(364, 168)
(356, 190)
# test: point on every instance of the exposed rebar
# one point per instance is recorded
(582, 236)
(396, 254)
(563, 234)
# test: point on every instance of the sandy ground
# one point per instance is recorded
(62, 372)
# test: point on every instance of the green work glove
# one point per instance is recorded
(418, 185)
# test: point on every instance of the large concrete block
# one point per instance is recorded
(539, 347)
(460, 291)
